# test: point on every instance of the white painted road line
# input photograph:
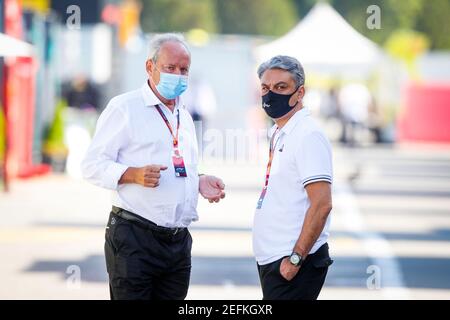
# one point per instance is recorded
(378, 248)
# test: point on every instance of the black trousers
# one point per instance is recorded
(144, 264)
(306, 285)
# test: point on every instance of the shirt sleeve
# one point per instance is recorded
(314, 159)
(100, 166)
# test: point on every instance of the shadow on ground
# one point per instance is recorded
(241, 271)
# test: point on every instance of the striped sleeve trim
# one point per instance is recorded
(325, 178)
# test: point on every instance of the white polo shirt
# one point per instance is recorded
(302, 156)
(131, 133)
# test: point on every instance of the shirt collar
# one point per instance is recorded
(150, 98)
(292, 122)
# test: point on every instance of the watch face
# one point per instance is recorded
(295, 259)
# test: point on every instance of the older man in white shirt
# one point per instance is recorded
(145, 149)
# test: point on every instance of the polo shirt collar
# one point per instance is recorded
(292, 122)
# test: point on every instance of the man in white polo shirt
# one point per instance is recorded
(145, 149)
(292, 216)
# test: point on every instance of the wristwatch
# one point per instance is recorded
(295, 259)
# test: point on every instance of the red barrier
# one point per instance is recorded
(19, 98)
(19, 89)
(425, 116)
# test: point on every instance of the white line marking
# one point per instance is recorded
(377, 247)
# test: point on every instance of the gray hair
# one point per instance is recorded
(157, 42)
(289, 64)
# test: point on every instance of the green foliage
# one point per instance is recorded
(355, 12)
(54, 140)
(406, 12)
(265, 17)
(303, 6)
(276, 17)
(178, 15)
(434, 21)
(407, 45)
(268, 17)
(428, 17)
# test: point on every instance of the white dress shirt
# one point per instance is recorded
(131, 133)
(302, 156)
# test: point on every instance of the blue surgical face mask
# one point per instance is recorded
(171, 85)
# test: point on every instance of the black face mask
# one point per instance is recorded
(277, 105)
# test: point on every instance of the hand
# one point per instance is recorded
(148, 176)
(287, 269)
(211, 188)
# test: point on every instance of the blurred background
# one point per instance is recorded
(377, 79)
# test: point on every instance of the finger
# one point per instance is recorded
(210, 201)
(222, 195)
(147, 171)
(156, 175)
(157, 168)
(151, 180)
(154, 169)
(149, 185)
(220, 184)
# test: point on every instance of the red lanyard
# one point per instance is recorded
(175, 137)
(271, 153)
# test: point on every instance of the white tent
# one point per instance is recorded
(323, 41)
(12, 47)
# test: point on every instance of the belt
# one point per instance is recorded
(144, 223)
